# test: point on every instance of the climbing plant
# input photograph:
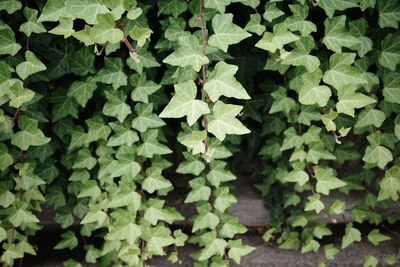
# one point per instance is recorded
(104, 102)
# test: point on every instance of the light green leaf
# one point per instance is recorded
(292, 140)
(389, 13)
(129, 232)
(272, 12)
(310, 245)
(171, 7)
(254, 25)
(7, 41)
(69, 240)
(198, 193)
(282, 101)
(277, 39)
(206, 219)
(84, 159)
(391, 91)
(326, 181)
(105, 30)
(155, 181)
(31, 25)
(116, 105)
(314, 203)
(30, 66)
(151, 146)
(184, 103)
(192, 165)
(29, 134)
(298, 22)
(330, 251)
(336, 34)
(225, 121)
(300, 55)
(312, 92)
(195, 141)
(370, 260)
(331, 5)
(218, 5)
(82, 91)
(155, 212)
(237, 250)
(364, 4)
(140, 35)
(18, 94)
(53, 10)
(112, 73)
(299, 176)
(390, 52)
(123, 134)
(351, 235)
(218, 174)
(97, 129)
(5, 158)
(321, 230)
(142, 88)
(375, 237)
(22, 216)
(226, 32)
(87, 10)
(10, 5)
(378, 155)
(370, 116)
(146, 118)
(64, 28)
(390, 184)
(350, 100)
(145, 60)
(223, 199)
(157, 238)
(189, 53)
(6, 199)
(223, 82)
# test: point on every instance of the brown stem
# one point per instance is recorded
(102, 48)
(292, 118)
(125, 39)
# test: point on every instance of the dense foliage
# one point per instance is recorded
(305, 95)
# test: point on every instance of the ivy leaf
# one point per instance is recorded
(195, 141)
(215, 247)
(254, 25)
(140, 35)
(205, 218)
(378, 155)
(112, 73)
(151, 146)
(391, 91)
(155, 181)
(351, 235)
(123, 134)
(389, 13)
(145, 60)
(155, 212)
(184, 103)
(69, 240)
(22, 216)
(390, 52)
(87, 10)
(97, 129)
(330, 251)
(31, 25)
(326, 181)
(223, 199)
(171, 7)
(225, 121)
(191, 165)
(331, 5)
(336, 34)
(129, 232)
(63, 106)
(292, 241)
(358, 28)
(310, 245)
(390, 184)
(317, 152)
(218, 174)
(10, 6)
(199, 191)
(18, 94)
(375, 237)
(53, 10)
(142, 88)
(298, 22)
(321, 230)
(364, 4)
(218, 5)
(125, 198)
(189, 53)
(312, 92)
(350, 100)
(82, 91)
(226, 32)
(314, 203)
(157, 238)
(297, 176)
(272, 12)
(29, 134)
(292, 140)
(64, 28)
(146, 118)
(276, 40)
(8, 44)
(282, 101)
(116, 106)
(300, 55)
(82, 62)
(370, 116)
(223, 82)
(84, 159)
(30, 66)
(5, 158)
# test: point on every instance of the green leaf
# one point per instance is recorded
(370, 260)
(223, 199)
(331, 5)
(390, 184)
(195, 141)
(151, 146)
(54, 10)
(389, 13)
(326, 181)
(237, 250)
(300, 55)
(87, 10)
(129, 232)
(145, 60)
(189, 53)
(155, 212)
(272, 12)
(292, 241)
(391, 91)
(82, 62)
(18, 94)
(223, 82)
(218, 5)
(198, 193)
(350, 100)
(314, 203)
(116, 105)
(82, 91)
(72, 263)
(64, 28)
(205, 218)
(112, 73)
(375, 237)
(310, 245)
(364, 4)
(84, 159)
(292, 140)
(6, 199)
(69, 240)
(10, 6)
(191, 165)
(215, 247)
(378, 155)
(146, 118)
(30, 66)
(157, 238)
(277, 39)
(143, 88)
(226, 32)
(312, 92)
(330, 251)
(171, 7)
(123, 134)
(368, 117)
(254, 25)
(97, 129)
(351, 235)
(358, 28)
(7, 41)
(184, 103)
(140, 35)
(22, 216)
(63, 106)
(299, 176)
(225, 121)
(321, 230)
(155, 181)
(125, 198)
(390, 52)
(282, 101)
(336, 34)
(298, 22)
(29, 134)
(31, 25)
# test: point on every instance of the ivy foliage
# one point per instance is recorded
(95, 95)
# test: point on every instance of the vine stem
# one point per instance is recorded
(125, 39)
(332, 131)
